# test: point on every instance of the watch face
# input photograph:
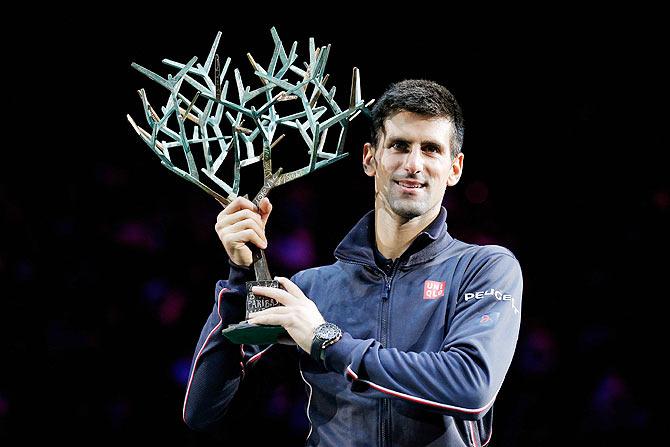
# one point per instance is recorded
(327, 331)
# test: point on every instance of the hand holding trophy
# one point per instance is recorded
(209, 114)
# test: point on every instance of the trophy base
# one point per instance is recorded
(256, 334)
(253, 334)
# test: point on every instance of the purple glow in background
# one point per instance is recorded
(180, 369)
(138, 234)
(295, 251)
(537, 352)
(171, 308)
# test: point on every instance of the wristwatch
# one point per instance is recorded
(325, 335)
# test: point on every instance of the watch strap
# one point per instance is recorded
(322, 354)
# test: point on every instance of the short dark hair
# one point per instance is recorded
(418, 96)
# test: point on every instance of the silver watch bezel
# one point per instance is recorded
(328, 338)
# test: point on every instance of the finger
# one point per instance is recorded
(239, 203)
(229, 219)
(247, 224)
(271, 319)
(290, 287)
(280, 295)
(276, 310)
(265, 209)
(246, 236)
(232, 233)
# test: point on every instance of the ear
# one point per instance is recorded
(369, 162)
(456, 170)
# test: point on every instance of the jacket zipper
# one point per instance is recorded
(386, 408)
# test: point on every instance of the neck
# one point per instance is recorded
(394, 234)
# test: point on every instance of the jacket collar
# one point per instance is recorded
(357, 245)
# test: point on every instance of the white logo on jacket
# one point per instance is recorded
(497, 294)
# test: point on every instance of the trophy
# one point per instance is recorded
(210, 114)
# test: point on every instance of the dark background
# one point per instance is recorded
(108, 261)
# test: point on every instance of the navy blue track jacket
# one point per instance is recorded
(427, 343)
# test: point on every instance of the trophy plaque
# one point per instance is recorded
(198, 114)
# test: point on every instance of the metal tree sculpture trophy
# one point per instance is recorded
(206, 111)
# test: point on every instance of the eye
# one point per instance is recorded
(431, 148)
(400, 145)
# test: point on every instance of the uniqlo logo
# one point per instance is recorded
(433, 289)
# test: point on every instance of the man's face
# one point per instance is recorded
(412, 164)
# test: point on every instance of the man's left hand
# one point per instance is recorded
(298, 315)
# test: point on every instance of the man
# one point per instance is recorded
(407, 337)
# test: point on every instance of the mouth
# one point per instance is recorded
(410, 185)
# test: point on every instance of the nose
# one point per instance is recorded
(414, 160)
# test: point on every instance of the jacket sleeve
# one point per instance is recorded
(216, 366)
(219, 367)
(464, 377)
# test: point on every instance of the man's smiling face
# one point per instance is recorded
(412, 163)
